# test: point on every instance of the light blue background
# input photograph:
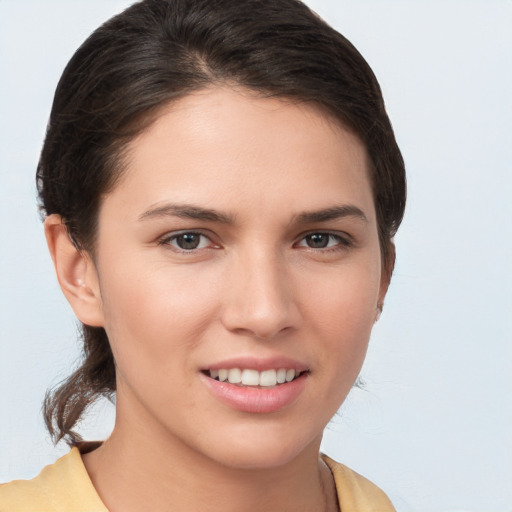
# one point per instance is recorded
(434, 425)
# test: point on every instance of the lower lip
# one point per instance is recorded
(257, 400)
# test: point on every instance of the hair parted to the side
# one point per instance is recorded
(158, 51)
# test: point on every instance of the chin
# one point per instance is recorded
(264, 450)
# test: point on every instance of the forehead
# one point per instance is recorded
(231, 147)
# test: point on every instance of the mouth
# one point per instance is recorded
(248, 377)
(257, 386)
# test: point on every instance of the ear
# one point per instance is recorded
(385, 278)
(76, 273)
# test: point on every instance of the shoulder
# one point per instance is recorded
(60, 487)
(355, 492)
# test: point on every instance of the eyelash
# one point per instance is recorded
(342, 243)
(168, 239)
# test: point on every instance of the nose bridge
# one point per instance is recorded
(260, 299)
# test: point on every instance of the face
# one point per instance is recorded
(240, 244)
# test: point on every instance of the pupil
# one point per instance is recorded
(188, 241)
(318, 240)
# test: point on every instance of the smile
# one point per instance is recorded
(254, 391)
(250, 377)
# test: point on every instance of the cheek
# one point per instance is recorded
(155, 314)
(346, 298)
(342, 312)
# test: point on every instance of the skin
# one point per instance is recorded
(254, 287)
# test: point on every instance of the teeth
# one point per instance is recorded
(234, 376)
(290, 375)
(249, 377)
(268, 378)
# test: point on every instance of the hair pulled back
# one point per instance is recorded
(158, 51)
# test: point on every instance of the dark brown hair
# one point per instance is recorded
(157, 51)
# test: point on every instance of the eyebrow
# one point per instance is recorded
(332, 213)
(185, 211)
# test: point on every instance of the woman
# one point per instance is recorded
(221, 187)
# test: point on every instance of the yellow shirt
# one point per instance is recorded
(65, 486)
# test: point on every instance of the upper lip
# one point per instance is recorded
(258, 363)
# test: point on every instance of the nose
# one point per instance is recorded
(259, 298)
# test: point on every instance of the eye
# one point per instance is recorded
(323, 241)
(187, 241)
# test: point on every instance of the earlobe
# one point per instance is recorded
(380, 306)
(76, 273)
